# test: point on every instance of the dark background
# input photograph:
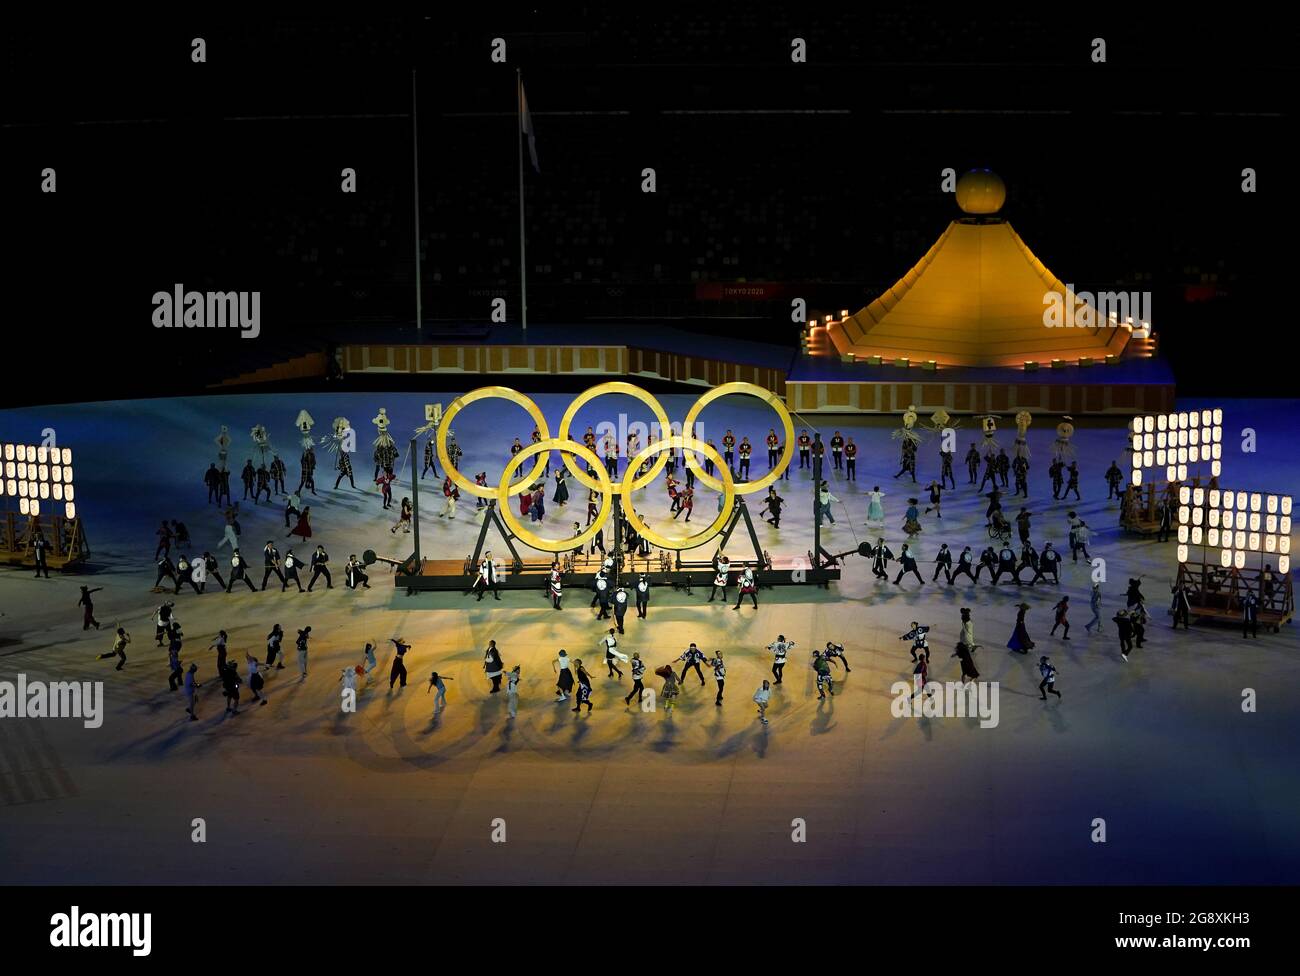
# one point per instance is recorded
(225, 175)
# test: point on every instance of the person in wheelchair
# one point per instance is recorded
(999, 527)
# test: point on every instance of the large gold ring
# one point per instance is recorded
(727, 485)
(600, 389)
(768, 397)
(528, 536)
(488, 393)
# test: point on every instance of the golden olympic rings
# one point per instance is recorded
(686, 442)
(531, 538)
(768, 397)
(488, 393)
(699, 538)
(600, 389)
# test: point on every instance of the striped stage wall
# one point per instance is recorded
(843, 397)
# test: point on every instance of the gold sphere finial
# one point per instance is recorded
(981, 192)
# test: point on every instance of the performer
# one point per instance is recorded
(881, 554)
(239, 572)
(989, 560)
(88, 615)
(685, 502)
(1020, 642)
(430, 458)
(304, 636)
(385, 483)
(972, 465)
(320, 567)
(561, 496)
(943, 563)
(1080, 534)
(745, 449)
(912, 518)
(185, 574)
(1048, 563)
(291, 510)
(920, 638)
(1249, 617)
(248, 475)
(397, 673)
(692, 657)
(119, 649)
(1054, 471)
(273, 641)
(601, 586)
(729, 449)
(271, 563)
(439, 681)
(1003, 466)
(344, 467)
(1028, 560)
(824, 500)
(555, 585)
(748, 587)
(945, 472)
(908, 565)
(773, 448)
(307, 479)
(966, 646)
(779, 648)
(403, 519)
(493, 667)
(219, 645)
(487, 578)
(1133, 596)
(1072, 484)
(642, 595)
(1124, 627)
(772, 505)
(1020, 467)
(936, 498)
(990, 472)
(835, 651)
(584, 681)
(565, 680)
(385, 454)
(761, 698)
(1023, 525)
(355, 573)
(837, 450)
(964, 566)
(805, 446)
(277, 474)
(825, 683)
(850, 461)
(450, 493)
(231, 532)
(1062, 608)
(303, 528)
(638, 673)
(1006, 564)
(165, 570)
(1182, 606)
(609, 646)
(620, 607)
(1094, 604)
(1113, 479)
(1048, 683)
(720, 580)
(875, 510)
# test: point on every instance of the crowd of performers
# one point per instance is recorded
(990, 467)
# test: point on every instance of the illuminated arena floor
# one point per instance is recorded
(1190, 788)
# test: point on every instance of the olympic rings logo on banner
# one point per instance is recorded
(601, 482)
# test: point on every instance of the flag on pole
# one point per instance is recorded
(526, 126)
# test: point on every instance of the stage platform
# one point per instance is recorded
(449, 575)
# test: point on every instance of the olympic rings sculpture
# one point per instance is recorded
(570, 450)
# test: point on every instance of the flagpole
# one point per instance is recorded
(519, 138)
(415, 171)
